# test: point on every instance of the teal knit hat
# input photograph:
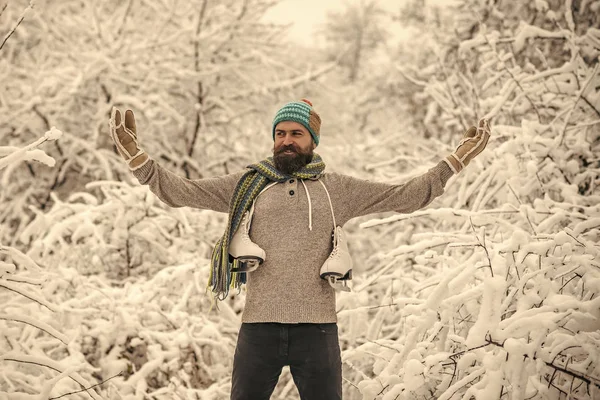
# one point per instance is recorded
(303, 113)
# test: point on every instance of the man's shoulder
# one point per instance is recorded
(338, 177)
(337, 180)
(331, 177)
(233, 175)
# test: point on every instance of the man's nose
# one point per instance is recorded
(288, 140)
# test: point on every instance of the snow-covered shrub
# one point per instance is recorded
(495, 292)
(152, 336)
(33, 340)
(201, 76)
(117, 230)
(148, 335)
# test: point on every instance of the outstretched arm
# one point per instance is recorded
(210, 193)
(176, 191)
(360, 197)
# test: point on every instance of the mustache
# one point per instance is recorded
(285, 148)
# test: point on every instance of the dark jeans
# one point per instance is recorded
(311, 350)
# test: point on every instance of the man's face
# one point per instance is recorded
(293, 147)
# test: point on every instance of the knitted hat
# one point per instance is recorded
(301, 112)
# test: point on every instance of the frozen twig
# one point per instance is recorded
(86, 388)
(124, 17)
(448, 393)
(285, 84)
(505, 68)
(409, 78)
(483, 246)
(579, 96)
(16, 155)
(590, 380)
(23, 15)
(449, 212)
(53, 365)
(31, 296)
(201, 93)
(452, 97)
(38, 324)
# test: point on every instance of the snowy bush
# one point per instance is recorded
(33, 341)
(152, 336)
(188, 70)
(117, 231)
(202, 77)
(495, 293)
(491, 292)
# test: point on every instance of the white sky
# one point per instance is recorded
(307, 15)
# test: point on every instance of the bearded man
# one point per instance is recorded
(289, 317)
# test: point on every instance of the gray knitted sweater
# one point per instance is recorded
(287, 288)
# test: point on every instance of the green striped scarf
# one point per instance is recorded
(248, 187)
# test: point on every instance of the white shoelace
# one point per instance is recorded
(310, 204)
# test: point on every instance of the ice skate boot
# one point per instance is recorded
(337, 269)
(248, 253)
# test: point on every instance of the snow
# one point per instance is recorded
(490, 291)
(489, 313)
(528, 31)
(12, 155)
(53, 134)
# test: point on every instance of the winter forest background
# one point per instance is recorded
(491, 292)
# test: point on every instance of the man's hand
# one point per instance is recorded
(472, 143)
(125, 138)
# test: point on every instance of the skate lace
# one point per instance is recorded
(336, 247)
(334, 252)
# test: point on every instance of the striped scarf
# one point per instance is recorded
(248, 187)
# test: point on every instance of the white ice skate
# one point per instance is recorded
(248, 253)
(337, 269)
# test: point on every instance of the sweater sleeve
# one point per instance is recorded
(176, 191)
(359, 197)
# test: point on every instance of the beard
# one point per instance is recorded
(287, 164)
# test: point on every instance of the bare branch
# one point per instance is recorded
(23, 15)
(579, 96)
(576, 374)
(87, 388)
(51, 364)
(38, 324)
(30, 296)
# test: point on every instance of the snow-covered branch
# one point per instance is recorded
(12, 155)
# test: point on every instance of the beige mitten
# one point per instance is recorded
(472, 143)
(125, 138)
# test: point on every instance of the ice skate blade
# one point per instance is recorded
(337, 284)
(243, 270)
(247, 265)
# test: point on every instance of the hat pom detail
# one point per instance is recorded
(307, 102)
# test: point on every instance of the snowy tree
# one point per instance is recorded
(187, 70)
(494, 293)
(32, 339)
(490, 292)
(357, 33)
